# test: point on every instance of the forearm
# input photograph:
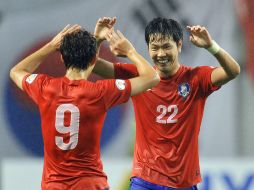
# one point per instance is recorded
(229, 67)
(143, 67)
(147, 75)
(98, 44)
(32, 62)
(104, 69)
(29, 64)
(228, 63)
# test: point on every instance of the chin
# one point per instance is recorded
(166, 67)
(164, 70)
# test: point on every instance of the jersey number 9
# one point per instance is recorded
(72, 129)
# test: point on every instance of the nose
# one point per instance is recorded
(161, 53)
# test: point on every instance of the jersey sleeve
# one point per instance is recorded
(32, 85)
(115, 92)
(204, 75)
(125, 71)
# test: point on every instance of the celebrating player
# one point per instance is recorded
(73, 109)
(168, 116)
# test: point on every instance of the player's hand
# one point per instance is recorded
(103, 26)
(119, 45)
(199, 36)
(56, 41)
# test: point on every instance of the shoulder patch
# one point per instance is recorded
(120, 84)
(31, 78)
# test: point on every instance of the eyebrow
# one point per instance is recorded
(165, 44)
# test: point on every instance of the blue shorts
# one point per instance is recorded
(140, 184)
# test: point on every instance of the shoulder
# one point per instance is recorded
(197, 71)
(120, 84)
(35, 78)
(203, 69)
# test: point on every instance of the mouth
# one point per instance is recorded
(164, 62)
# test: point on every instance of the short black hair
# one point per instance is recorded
(78, 49)
(165, 27)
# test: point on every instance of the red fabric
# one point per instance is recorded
(167, 127)
(93, 183)
(72, 117)
(245, 10)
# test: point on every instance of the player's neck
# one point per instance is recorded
(75, 74)
(169, 73)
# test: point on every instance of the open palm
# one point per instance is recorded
(103, 26)
(199, 36)
(56, 41)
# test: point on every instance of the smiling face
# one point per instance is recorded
(164, 39)
(164, 52)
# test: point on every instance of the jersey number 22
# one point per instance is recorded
(163, 110)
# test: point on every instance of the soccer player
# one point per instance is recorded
(168, 116)
(73, 109)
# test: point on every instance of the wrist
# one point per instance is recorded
(99, 41)
(50, 47)
(214, 48)
(131, 53)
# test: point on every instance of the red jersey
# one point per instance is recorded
(168, 119)
(72, 116)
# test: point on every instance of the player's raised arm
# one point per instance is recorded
(102, 67)
(229, 69)
(148, 77)
(32, 62)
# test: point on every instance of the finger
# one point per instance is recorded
(107, 37)
(192, 39)
(110, 38)
(188, 28)
(195, 27)
(115, 35)
(191, 28)
(106, 20)
(65, 28)
(100, 20)
(73, 29)
(204, 29)
(120, 34)
(198, 27)
(112, 21)
(113, 50)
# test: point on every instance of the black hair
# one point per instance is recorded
(78, 49)
(165, 28)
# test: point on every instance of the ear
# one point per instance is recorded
(62, 58)
(179, 46)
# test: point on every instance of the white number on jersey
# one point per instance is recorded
(72, 129)
(163, 110)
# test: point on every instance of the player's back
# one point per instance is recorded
(72, 116)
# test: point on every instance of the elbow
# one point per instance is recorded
(12, 74)
(236, 72)
(155, 79)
